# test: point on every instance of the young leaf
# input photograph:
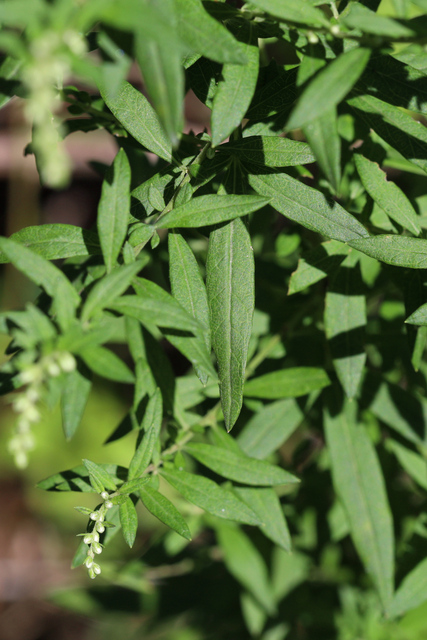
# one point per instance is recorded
(411, 593)
(164, 510)
(322, 136)
(266, 504)
(203, 34)
(100, 479)
(359, 482)
(136, 114)
(387, 194)
(269, 151)
(55, 241)
(129, 521)
(287, 383)
(308, 207)
(105, 363)
(246, 564)
(230, 287)
(399, 251)
(207, 495)
(110, 287)
(73, 401)
(345, 321)
(236, 87)
(239, 467)
(329, 87)
(151, 426)
(211, 209)
(113, 210)
(268, 429)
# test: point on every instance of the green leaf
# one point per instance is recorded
(45, 275)
(164, 510)
(360, 17)
(387, 194)
(317, 264)
(151, 425)
(269, 151)
(287, 383)
(77, 479)
(230, 287)
(236, 87)
(276, 96)
(73, 401)
(414, 464)
(308, 207)
(211, 209)
(399, 251)
(345, 321)
(329, 87)
(238, 466)
(136, 114)
(100, 479)
(129, 521)
(299, 11)
(203, 34)
(266, 504)
(9, 68)
(245, 563)
(419, 317)
(391, 124)
(209, 496)
(189, 290)
(106, 364)
(133, 485)
(322, 136)
(113, 210)
(55, 241)
(268, 429)
(110, 287)
(359, 483)
(412, 592)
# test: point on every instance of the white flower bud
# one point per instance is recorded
(335, 30)
(108, 504)
(96, 569)
(32, 414)
(29, 375)
(66, 361)
(100, 528)
(95, 536)
(88, 562)
(92, 573)
(97, 547)
(33, 394)
(53, 369)
(88, 539)
(105, 495)
(94, 515)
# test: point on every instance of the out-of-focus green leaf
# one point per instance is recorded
(73, 401)
(129, 521)
(266, 505)
(411, 592)
(105, 363)
(360, 17)
(164, 510)
(414, 464)
(316, 264)
(150, 427)
(230, 287)
(359, 483)
(287, 383)
(298, 11)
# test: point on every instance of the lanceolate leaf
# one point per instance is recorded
(360, 17)
(308, 207)
(419, 317)
(54, 241)
(266, 505)
(359, 482)
(287, 383)
(105, 363)
(269, 151)
(412, 592)
(209, 496)
(113, 210)
(129, 521)
(73, 401)
(100, 479)
(164, 510)
(136, 114)
(299, 11)
(239, 467)
(387, 194)
(399, 251)
(230, 287)
(236, 87)
(329, 87)
(316, 264)
(322, 136)
(151, 426)
(211, 209)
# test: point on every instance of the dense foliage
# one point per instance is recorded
(282, 253)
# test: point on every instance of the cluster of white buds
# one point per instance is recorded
(43, 76)
(25, 402)
(92, 538)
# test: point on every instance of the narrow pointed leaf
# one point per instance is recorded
(129, 521)
(412, 592)
(136, 114)
(73, 401)
(266, 504)
(308, 207)
(299, 11)
(269, 151)
(360, 17)
(100, 479)
(317, 264)
(329, 87)
(419, 317)
(239, 467)
(133, 486)
(400, 251)
(211, 209)
(209, 496)
(359, 482)
(387, 194)
(287, 383)
(105, 363)
(164, 510)
(414, 464)
(322, 136)
(230, 287)
(151, 426)
(235, 88)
